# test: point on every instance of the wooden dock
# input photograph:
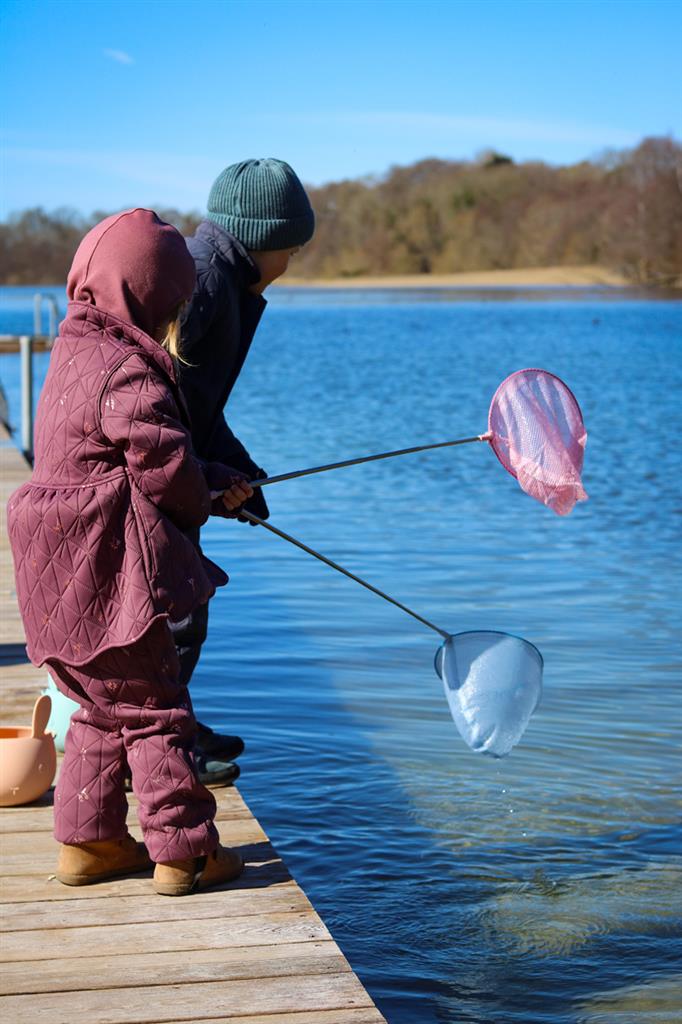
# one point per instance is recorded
(255, 952)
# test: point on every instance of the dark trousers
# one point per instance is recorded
(190, 639)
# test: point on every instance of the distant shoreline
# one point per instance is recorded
(530, 277)
(523, 277)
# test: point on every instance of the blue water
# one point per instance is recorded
(541, 888)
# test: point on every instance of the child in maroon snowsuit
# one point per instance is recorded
(104, 570)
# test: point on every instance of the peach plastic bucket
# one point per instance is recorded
(28, 759)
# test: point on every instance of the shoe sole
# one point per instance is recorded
(196, 886)
(105, 876)
(225, 780)
(164, 890)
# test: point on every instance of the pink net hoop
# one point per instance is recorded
(536, 429)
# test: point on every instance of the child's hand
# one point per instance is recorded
(235, 495)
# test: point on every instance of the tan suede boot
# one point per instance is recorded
(85, 863)
(182, 877)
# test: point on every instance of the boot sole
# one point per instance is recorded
(216, 780)
(105, 876)
(222, 784)
(196, 886)
(167, 890)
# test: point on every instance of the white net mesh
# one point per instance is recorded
(493, 684)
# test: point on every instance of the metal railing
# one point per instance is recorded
(52, 312)
(26, 360)
(27, 344)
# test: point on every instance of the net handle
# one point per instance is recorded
(339, 568)
(366, 458)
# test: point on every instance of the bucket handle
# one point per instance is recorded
(41, 716)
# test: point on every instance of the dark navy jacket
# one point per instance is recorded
(217, 331)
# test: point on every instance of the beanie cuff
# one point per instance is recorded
(260, 235)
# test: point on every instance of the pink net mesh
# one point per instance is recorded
(536, 430)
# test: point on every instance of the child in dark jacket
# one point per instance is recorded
(104, 569)
(258, 217)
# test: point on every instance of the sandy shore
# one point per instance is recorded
(529, 277)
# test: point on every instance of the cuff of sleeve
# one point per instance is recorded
(219, 476)
(245, 464)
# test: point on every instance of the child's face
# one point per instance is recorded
(272, 263)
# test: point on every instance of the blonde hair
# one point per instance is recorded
(171, 339)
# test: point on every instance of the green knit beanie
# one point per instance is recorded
(263, 204)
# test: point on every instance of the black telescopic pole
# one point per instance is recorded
(339, 568)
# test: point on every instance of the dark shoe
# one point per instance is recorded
(217, 746)
(85, 863)
(182, 877)
(215, 773)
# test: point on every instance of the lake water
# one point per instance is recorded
(541, 888)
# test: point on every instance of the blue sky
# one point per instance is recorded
(108, 105)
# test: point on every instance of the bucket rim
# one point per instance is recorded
(497, 632)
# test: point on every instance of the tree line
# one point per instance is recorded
(622, 211)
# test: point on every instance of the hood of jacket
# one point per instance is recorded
(134, 266)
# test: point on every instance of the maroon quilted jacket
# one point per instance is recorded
(96, 532)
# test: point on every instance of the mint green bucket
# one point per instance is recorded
(60, 715)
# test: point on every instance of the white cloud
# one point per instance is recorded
(119, 55)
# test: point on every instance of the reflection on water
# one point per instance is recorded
(541, 888)
(659, 1000)
(557, 916)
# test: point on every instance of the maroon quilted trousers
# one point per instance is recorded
(133, 710)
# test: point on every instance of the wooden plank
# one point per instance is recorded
(224, 932)
(361, 1015)
(21, 684)
(151, 969)
(264, 869)
(229, 999)
(39, 855)
(31, 821)
(38, 817)
(10, 343)
(109, 910)
(42, 844)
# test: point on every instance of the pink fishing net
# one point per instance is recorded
(536, 430)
